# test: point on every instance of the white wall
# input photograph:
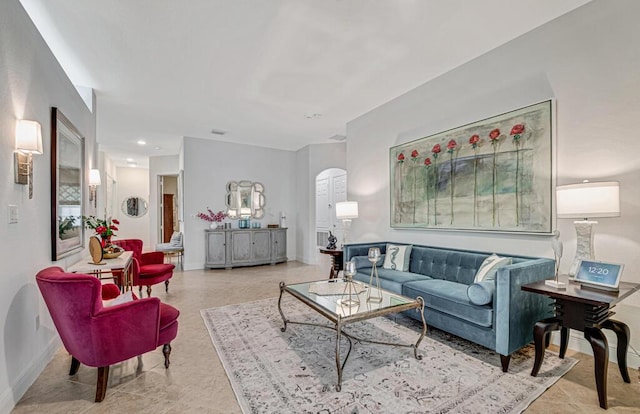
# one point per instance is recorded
(31, 82)
(210, 165)
(133, 182)
(310, 161)
(587, 60)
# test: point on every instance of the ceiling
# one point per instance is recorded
(273, 73)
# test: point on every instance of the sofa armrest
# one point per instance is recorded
(361, 249)
(517, 311)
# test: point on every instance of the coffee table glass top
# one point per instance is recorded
(333, 303)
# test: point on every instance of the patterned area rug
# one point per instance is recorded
(294, 371)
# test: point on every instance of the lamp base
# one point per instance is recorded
(584, 243)
(557, 285)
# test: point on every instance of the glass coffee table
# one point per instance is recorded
(329, 302)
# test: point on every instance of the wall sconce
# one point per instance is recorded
(28, 142)
(345, 211)
(94, 182)
(587, 200)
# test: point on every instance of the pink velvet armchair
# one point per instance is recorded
(148, 268)
(100, 336)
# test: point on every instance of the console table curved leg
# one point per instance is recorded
(622, 333)
(540, 332)
(600, 349)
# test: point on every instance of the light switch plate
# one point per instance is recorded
(13, 214)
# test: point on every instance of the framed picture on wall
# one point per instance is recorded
(490, 175)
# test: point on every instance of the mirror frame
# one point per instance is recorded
(63, 129)
(255, 204)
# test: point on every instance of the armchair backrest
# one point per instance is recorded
(72, 300)
(133, 245)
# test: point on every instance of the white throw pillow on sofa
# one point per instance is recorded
(489, 267)
(397, 257)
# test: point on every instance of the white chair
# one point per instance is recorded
(173, 248)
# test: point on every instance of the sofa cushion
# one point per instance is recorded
(391, 280)
(450, 298)
(489, 267)
(397, 257)
(481, 293)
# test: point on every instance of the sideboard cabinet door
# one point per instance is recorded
(216, 248)
(279, 245)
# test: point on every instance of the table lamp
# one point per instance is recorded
(345, 211)
(587, 200)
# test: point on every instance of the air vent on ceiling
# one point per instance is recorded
(218, 131)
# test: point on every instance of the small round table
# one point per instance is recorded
(336, 261)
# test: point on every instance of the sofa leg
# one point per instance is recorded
(166, 286)
(504, 360)
(75, 365)
(166, 350)
(101, 386)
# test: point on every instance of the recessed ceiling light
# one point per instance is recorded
(132, 164)
(157, 148)
(218, 131)
(142, 142)
(130, 160)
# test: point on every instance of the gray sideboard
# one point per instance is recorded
(227, 248)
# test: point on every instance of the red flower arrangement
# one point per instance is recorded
(104, 228)
(414, 154)
(427, 162)
(451, 146)
(401, 158)
(211, 217)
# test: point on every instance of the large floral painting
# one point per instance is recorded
(492, 175)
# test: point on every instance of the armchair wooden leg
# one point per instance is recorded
(149, 291)
(166, 350)
(75, 365)
(166, 286)
(101, 386)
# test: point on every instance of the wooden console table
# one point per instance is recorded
(587, 310)
(336, 261)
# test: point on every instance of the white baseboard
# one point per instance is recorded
(12, 395)
(577, 342)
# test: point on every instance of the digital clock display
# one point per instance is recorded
(605, 274)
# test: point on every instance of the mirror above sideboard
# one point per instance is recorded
(245, 199)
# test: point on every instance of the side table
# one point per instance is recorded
(336, 261)
(587, 310)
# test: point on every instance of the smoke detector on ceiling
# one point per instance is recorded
(338, 138)
(218, 131)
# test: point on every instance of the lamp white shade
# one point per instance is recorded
(94, 177)
(346, 210)
(588, 200)
(28, 136)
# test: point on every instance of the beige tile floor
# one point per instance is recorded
(196, 381)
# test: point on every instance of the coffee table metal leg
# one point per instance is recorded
(284, 320)
(424, 328)
(338, 364)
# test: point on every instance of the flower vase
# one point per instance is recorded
(213, 225)
(106, 241)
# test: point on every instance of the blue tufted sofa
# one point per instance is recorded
(442, 277)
